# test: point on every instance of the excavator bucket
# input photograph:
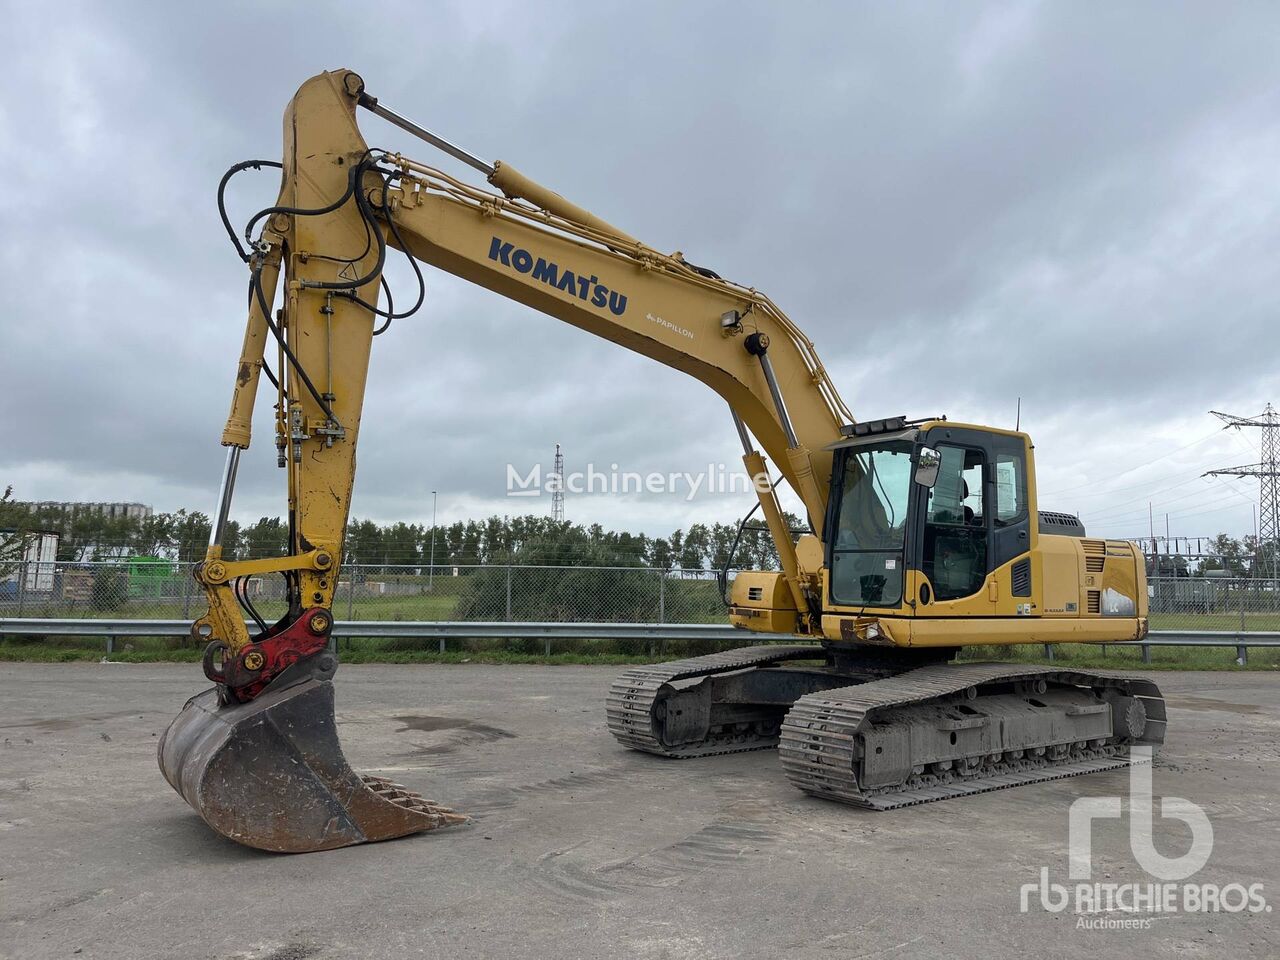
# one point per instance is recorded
(271, 774)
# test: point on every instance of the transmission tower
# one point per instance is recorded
(1267, 470)
(557, 488)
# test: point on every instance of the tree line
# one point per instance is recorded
(183, 535)
(1235, 557)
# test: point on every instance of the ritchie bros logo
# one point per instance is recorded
(1138, 903)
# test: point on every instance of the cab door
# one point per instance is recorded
(973, 522)
(954, 534)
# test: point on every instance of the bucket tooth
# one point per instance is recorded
(271, 774)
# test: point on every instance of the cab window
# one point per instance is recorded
(955, 534)
(870, 524)
(1011, 487)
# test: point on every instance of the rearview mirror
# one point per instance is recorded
(928, 460)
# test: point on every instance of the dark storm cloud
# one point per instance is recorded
(961, 204)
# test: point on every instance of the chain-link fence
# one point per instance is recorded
(158, 590)
(147, 589)
(1214, 603)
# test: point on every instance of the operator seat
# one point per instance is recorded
(956, 553)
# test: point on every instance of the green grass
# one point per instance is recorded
(408, 650)
(1119, 656)
(426, 606)
(363, 650)
(442, 604)
(1214, 621)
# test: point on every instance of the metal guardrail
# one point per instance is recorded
(1241, 640)
(422, 630)
(498, 629)
(427, 630)
(153, 589)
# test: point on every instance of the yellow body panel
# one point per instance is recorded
(1083, 591)
(973, 631)
(1057, 567)
(761, 601)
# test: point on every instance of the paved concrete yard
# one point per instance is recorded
(582, 849)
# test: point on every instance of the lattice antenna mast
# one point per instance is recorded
(557, 488)
(1268, 473)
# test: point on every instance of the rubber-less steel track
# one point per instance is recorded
(820, 746)
(630, 705)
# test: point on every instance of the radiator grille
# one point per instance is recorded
(1095, 600)
(755, 593)
(1095, 555)
(1022, 578)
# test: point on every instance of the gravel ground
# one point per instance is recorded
(579, 848)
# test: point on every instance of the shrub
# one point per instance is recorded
(109, 589)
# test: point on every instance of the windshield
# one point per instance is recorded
(873, 497)
(875, 483)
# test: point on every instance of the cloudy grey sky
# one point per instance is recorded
(961, 203)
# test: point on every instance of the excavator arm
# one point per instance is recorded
(527, 244)
(315, 272)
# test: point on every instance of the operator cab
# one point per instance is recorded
(948, 501)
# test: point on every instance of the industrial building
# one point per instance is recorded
(131, 511)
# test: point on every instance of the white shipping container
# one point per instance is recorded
(39, 564)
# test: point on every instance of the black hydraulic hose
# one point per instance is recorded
(723, 576)
(368, 214)
(240, 588)
(265, 368)
(346, 288)
(352, 179)
(413, 262)
(390, 313)
(222, 205)
(366, 211)
(255, 283)
(270, 376)
(391, 307)
(368, 245)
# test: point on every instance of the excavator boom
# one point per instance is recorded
(924, 536)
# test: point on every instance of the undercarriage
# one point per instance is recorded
(882, 728)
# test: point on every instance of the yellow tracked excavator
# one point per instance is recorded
(924, 536)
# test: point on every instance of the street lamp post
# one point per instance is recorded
(431, 570)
